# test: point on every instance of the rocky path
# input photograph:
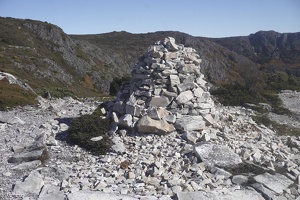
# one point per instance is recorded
(235, 158)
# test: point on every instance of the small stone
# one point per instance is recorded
(7, 174)
(239, 179)
(95, 139)
(176, 189)
(209, 119)
(131, 175)
(18, 149)
(170, 44)
(126, 121)
(205, 137)
(174, 80)
(118, 148)
(185, 86)
(189, 137)
(184, 97)
(198, 92)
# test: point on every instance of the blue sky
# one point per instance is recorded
(207, 18)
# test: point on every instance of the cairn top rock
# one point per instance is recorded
(167, 77)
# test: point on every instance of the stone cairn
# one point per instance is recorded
(167, 91)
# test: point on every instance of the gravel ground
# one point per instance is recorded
(291, 101)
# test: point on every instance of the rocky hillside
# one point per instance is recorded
(220, 65)
(43, 56)
(271, 50)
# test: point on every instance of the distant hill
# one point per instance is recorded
(272, 51)
(46, 58)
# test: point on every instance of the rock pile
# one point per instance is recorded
(166, 85)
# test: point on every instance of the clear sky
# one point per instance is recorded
(207, 18)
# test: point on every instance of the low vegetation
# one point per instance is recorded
(262, 90)
(269, 86)
(88, 126)
(116, 84)
(12, 95)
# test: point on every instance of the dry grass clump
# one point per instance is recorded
(12, 95)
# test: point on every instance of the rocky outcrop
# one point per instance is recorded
(166, 91)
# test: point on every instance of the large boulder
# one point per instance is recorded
(148, 125)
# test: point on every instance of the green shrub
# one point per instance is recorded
(262, 119)
(116, 84)
(88, 126)
(236, 95)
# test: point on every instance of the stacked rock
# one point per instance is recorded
(166, 92)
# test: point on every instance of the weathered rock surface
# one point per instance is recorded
(216, 155)
(95, 195)
(148, 125)
(190, 123)
(226, 195)
(31, 185)
(277, 182)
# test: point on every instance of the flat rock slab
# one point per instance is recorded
(31, 185)
(96, 195)
(216, 155)
(190, 123)
(276, 182)
(51, 192)
(10, 118)
(237, 194)
(39, 154)
(28, 165)
(159, 101)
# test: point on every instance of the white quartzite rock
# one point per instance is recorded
(216, 155)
